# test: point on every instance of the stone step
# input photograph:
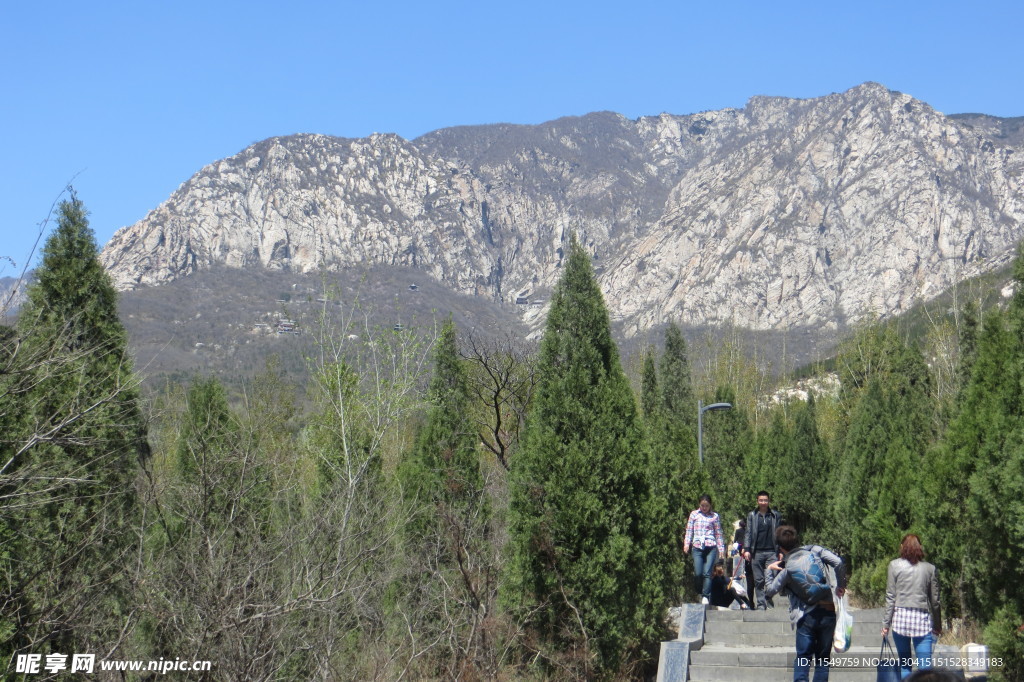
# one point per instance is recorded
(774, 657)
(768, 664)
(776, 639)
(760, 674)
(781, 615)
(768, 629)
(860, 629)
(744, 646)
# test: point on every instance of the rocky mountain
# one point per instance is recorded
(784, 214)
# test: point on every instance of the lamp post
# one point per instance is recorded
(701, 409)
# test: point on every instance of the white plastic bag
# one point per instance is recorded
(844, 626)
(738, 587)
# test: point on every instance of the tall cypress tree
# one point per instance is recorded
(882, 459)
(675, 475)
(768, 466)
(448, 537)
(443, 471)
(581, 525)
(649, 389)
(678, 434)
(996, 498)
(806, 504)
(73, 441)
(728, 445)
(677, 395)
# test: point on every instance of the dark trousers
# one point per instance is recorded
(814, 635)
(759, 561)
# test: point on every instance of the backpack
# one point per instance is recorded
(807, 578)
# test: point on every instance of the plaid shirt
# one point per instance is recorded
(704, 531)
(912, 622)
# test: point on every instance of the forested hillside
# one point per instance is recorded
(443, 505)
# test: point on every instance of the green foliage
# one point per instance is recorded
(768, 463)
(868, 582)
(674, 473)
(444, 467)
(649, 388)
(580, 517)
(449, 541)
(208, 429)
(728, 442)
(72, 441)
(1005, 638)
(338, 432)
(806, 507)
(677, 397)
(877, 486)
(981, 461)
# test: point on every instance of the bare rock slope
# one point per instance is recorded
(785, 213)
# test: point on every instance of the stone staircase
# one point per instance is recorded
(744, 646)
(758, 646)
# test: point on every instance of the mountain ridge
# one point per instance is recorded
(784, 213)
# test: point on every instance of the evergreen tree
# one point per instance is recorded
(649, 389)
(806, 505)
(728, 449)
(449, 535)
(677, 395)
(73, 440)
(769, 467)
(968, 341)
(581, 524)
(996, 498)
(443, 471)
(677, 437)
(977, 433)
(883, 457)
(681, 478)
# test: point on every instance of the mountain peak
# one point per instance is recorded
(788, 212)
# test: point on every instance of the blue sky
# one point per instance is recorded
(129, 100)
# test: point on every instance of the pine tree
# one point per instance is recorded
(677, 438)
(677, 397)
(649, 389)
(883, 456)
(807, 508)
(449, 535)
(580, 521)
(73, 442)
(443, 471)
(728, 446)
(769, 466)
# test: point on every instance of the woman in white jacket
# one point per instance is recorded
(912, 608)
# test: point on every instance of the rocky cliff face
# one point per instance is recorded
(785, 213)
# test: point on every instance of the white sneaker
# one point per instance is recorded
(703, 600)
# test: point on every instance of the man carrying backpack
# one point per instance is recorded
(811, 609)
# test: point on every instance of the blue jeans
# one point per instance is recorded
(704, 559)
(814, 635)
(922, 650)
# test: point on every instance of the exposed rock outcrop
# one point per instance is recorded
(785, 213)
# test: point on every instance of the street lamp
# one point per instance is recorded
(701, 409)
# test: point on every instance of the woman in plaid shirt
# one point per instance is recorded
(912, 607)
(704, 536)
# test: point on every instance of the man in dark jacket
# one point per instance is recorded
(760, 547)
